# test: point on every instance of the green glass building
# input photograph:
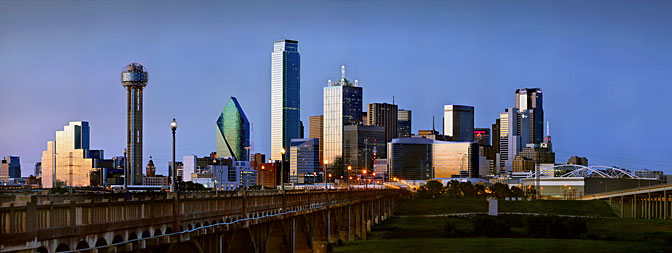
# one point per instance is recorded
(233, 132)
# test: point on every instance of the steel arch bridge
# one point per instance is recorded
(592, 171)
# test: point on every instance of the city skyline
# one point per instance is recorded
(585, 106)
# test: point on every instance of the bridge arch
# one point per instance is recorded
(277, 238)
(302, 241)
(82, 245)
(132, 236)
(101, 242)
(117, 239)
(42, 249)
(188, 246)
(146, 234)
(62, 247)
(242, 241)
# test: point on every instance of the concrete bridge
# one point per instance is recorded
(305, 221)
(651, 202)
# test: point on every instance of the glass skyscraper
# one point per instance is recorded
(458, 122)
(404, 123)
(233, 132)
(530, 101)
(342, 107)
(285, 95)
(418, 158)
(304, 160)
(67, 159)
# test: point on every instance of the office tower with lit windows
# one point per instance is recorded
(304, 160)
(362, 146)
(342, 107)
(482, 136)
(385, 115)
(233, 132)
(530, 105)
(509, 140)
(404, 123)
(315, 129)
(458, 122)
(134, 78)
(285, 96)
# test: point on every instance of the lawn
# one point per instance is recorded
(498, 245)
(631, 229)
(558, 207)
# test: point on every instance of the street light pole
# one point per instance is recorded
(324, 174)
(282, 171)
(173, 185)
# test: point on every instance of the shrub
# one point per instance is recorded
(490, 226)
(554, 226)
(449, 230)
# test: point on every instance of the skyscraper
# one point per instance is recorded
(67, 158)
(509, 140)
(404, 123)
(233, 132)
(304, 160)
(385, 115)
(458, 122)
(361, 146)
(10, 167)
(530, 100)
(342, 107)
(285, 95)
(134, 78)
(315, 131)
(482, 136)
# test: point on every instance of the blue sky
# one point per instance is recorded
(604, 66)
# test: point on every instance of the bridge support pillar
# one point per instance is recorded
(665, 205)
(621, 206)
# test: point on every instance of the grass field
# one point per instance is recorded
(498, 245)
(410, 232)
(561, 207)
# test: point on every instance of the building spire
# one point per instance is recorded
(342, 71)
(547, 139)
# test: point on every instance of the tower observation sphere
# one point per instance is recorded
(134, 78)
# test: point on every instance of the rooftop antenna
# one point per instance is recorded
(548, 126)
(329, 82)
(392, 99)
(433, 124)
(342, 71)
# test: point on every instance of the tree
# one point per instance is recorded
(500, 190)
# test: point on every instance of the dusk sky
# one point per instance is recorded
(605, 68)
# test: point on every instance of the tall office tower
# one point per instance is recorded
(304, 160)
(315, 131)
(530, 100)
(134, 78)
(482, 136)
(509, 140)
(302, 129)
(10, 167)
(233, 132)
(38, 169)
(67, 158)
(361, 145)
(458, 122)
(285, 96)
(385, 115)
(342, 107)
(404, 123)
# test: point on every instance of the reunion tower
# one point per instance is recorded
(134, 79)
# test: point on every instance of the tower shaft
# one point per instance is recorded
(134, 134)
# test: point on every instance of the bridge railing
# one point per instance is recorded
(42, 218)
